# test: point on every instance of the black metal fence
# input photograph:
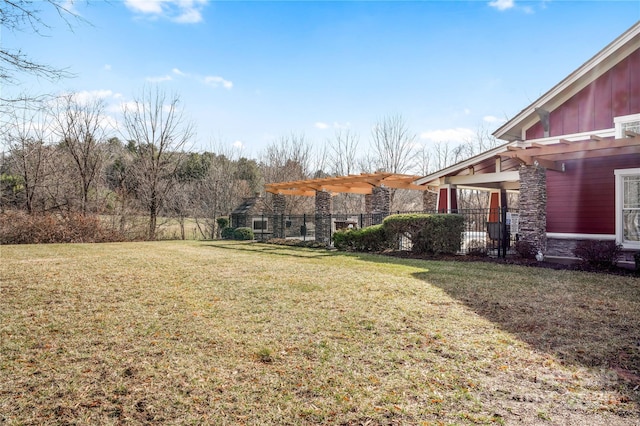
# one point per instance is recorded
(490, 231)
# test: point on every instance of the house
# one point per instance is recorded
(249, 214)
(573, 156)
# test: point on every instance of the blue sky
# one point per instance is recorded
(250, 72)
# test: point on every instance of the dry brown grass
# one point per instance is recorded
(242, 333)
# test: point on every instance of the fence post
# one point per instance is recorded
(503, 227)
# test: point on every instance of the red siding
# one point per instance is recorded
(620, 88)
(615, 93)
(634, 83)
(602, 102)
(582, 200)
(536, 131)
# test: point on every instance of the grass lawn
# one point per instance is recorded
(244, 333)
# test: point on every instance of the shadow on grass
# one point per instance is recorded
(278, 250)
(581, 318)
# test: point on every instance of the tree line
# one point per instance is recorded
(69, 156)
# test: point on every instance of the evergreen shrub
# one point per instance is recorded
(243, 234)
(227, 233)
(371, 238)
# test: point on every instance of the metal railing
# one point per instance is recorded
(486, 231)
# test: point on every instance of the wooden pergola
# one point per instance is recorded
(551, 156)
(354, 184)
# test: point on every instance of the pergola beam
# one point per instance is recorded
(354, 184)
(550, 156)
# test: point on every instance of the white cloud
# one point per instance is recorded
(128, 106)
(337, 125)
(238, 144)
(502, 4)
(179, 11)
(457, 134)
(85, 96)
(176, 71)
(322, 125)
(467, 111)
(159, 79)
(492, 119)
(216, 81)
(152, 7)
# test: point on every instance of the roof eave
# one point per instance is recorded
(463, 164)
(512, 129)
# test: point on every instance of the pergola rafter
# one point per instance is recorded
(353, 184)
(551, 156)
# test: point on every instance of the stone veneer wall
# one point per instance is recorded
(429, 201)
(368, 203)
(323, 217)
(278, 212)
(381, 202)
(562, 247)
(533, 206)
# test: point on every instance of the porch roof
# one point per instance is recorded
(550, 156)
(355, 184)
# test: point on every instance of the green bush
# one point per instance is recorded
(371, 238)
(222, 222)
(429, 233)
(243, 233)
(442, 234)
(227, 233)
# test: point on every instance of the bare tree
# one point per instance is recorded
(288, 159)
(157, 126)
(343, 161)
(343, 152)
(82, 128)
(26, 139)
(393, 144)
(25, 16)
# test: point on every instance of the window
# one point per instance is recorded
(260, 224)
(628, 207)
(627, 123)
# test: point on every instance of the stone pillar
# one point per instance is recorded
(323, 217)
(278, 216)
(381, 204)
(381, 200)
(368, 203)
(533, 206)
(429, 201)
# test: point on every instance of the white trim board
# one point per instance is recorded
(571, 236)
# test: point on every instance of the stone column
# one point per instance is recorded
(429, 201)
(368, 203)
(323, 217)
(278, 216)
(533, 206)
(381, 203)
